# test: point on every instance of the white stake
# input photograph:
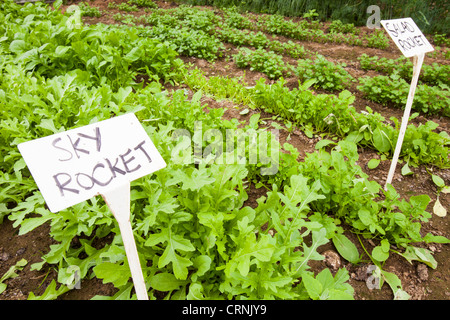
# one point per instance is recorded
(418, 61)
(118, 201)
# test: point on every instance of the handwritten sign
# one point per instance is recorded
(407, 36)
(412, 43)
(75, 165)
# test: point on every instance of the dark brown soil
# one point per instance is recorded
(419, 281)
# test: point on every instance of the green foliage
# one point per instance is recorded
(334, 114)
(434, 74)
(429, 18)
(277, 24)
(243, 37)
(124, 6)
(99, 52)
(346, 248)
(365, 210)
(88, 11)
(394, 90)
(329, 76)
(261, 60)
(187, 41)
(330, 114)
(235, 20)
(441, 40)
(260, 40)
(377, 39)
(337, 26)
(11, 273)
(304, 31)
(143, 3)
(190, 31)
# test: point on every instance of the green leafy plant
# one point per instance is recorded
(329, 76)
(236, 20)
(435, 74)
(88, 11)
(124, 6)
(143, 3)
(328, 113)
(11, 273)
(337, 26)
(377, 39)
(441, 40)
(187, 42)
(261, 60)
(394, 89)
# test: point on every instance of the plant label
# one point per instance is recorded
(72, 166)
(407, 36)
(101, 158)
(412, 43)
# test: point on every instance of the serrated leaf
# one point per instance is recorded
(174, 242)
(165, 282)
(30, 224)
(195, 292)
(419, 254)
(310, 253)
(19, 165)
(194, 181)
(203, 264)
(437, 239)
(112, 272)
(50, 293)
(262, 250)
(313, 286)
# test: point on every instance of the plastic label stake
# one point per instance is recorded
(118, 201)
(418, 61)
(412, 43)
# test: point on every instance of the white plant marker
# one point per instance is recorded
(118, 201)
(72, 166)
(418, 61)
(412, 43)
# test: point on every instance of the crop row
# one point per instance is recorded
(434, 74)
(273, 24)
(333, 114)
(201, 33)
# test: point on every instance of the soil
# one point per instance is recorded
(419, 281)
